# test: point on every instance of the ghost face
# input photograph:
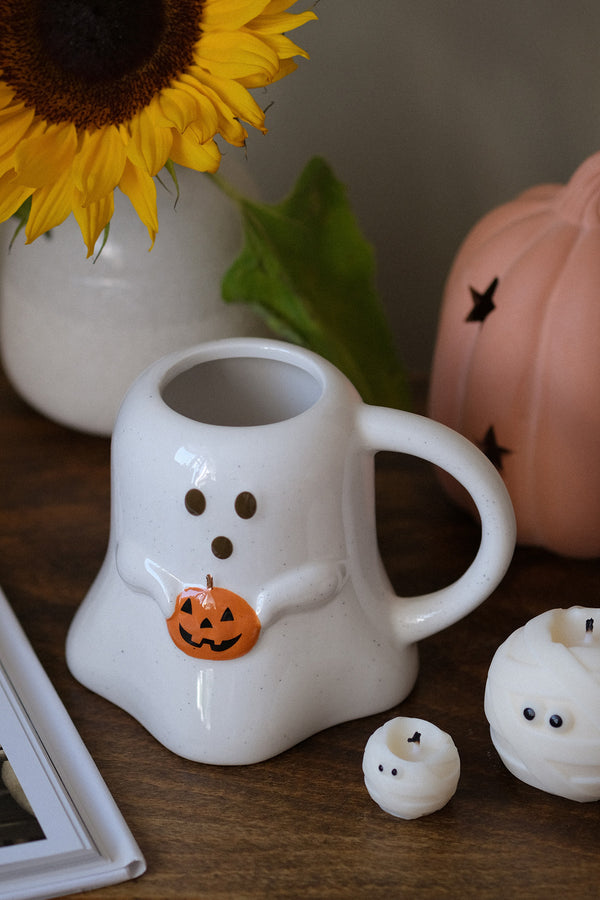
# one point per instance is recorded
(411, 767)
(547, 742)
(542, 701)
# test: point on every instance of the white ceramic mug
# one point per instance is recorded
(242, 604)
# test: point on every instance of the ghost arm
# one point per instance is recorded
(147, 577)
(305, 587)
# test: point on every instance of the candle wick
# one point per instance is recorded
(416, 738)
(589, 625)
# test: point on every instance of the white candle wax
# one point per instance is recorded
(411, 767)
(542, 700)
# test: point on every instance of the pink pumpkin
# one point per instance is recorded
(517, 361)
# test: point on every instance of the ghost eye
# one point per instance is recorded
(529, 713)
(556, 721)
(245, 505)
(380, 767)
(394, 771)
(195, 502)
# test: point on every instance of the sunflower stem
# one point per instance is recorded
(227, 189)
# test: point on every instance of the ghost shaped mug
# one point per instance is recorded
(242, 604)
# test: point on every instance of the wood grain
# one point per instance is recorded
(302, 824)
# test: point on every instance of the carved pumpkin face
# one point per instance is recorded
(213, 623)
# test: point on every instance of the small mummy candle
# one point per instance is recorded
(542, 700)
(411, 767)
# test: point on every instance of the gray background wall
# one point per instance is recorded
(433, 112)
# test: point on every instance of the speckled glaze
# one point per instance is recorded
(280, 429)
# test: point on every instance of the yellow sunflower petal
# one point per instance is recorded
(278, 23)
(283, 47)
(50, 206)
(43, 156)
(205, 115)
(227, 124)
(150, 145)
(92, 218)
(14, 123)
(286, 53)
(7, 95)
(236, 56)
(231, 98)
(274, 7)
(141, 190)
(252, 81)
(12, 195)
(187, 151)
(99, 163)
(179, 107)
(232, 15)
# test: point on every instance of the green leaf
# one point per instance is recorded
(21, 215)
(309, 272)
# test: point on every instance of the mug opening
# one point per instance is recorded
(242, 391)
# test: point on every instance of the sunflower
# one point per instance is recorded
(98, 95)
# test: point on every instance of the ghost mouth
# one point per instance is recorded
(217, 648)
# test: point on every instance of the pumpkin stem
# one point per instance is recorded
(209, 582)
(580, 198)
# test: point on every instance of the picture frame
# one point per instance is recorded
(60, 829)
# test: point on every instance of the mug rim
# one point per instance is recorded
(166, 370)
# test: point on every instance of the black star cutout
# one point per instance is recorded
(483, 304)
(492, 448)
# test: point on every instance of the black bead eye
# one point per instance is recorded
(556, 721)
(380, 767)
(394, 771)
(195, 502)
(529, 713)
(245, 505)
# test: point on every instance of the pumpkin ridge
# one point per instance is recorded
(531, 480)
(509, 268)
(456, 274)
(502, 276)
(532, 368)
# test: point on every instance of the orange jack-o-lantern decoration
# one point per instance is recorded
(517, 360)
(213, 623)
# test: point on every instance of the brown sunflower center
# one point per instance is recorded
(95, 62)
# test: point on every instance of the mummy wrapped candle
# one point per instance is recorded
(411, 767)
(542, 700)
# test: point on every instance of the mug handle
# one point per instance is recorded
(414, 618)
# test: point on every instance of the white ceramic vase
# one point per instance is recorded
(74, 334)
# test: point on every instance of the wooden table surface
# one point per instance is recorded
(302, 824)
